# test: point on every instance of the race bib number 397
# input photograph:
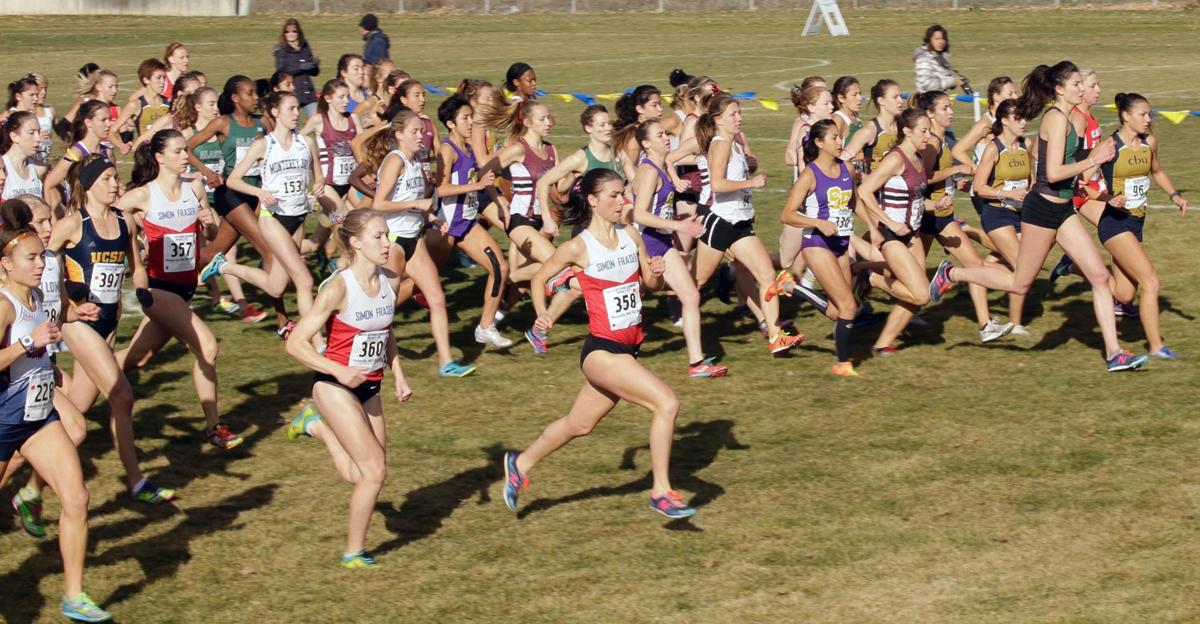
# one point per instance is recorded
(107, 278)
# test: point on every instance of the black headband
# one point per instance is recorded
(92, 171)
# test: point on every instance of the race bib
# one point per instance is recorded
(668, 213)
(1011, 186)
(179, 253)
(1136, 190)
(343, 166)
(367, 352)
(107, 278)
(918, 204)
(290, 188)
(39, 395)
(240, 154)
(623, 305)
(844, 220)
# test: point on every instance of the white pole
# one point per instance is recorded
(316, 7)
(572, 6)
(487, 6)
(662, 5)
(975, 103)
(751, 7)
(400, 6)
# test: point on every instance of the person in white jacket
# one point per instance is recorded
(932, 62)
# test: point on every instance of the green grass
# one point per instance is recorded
(953, 483)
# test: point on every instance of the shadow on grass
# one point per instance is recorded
(696, 447)
(425, 508)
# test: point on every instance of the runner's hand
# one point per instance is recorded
(350, 377)
(543, 324)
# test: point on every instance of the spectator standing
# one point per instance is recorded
(293, 56)
(376, 44)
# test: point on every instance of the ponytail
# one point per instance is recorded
(395, 105)
(1006, 109)
(377, 146)
(78, 130)
(706, 126)
(578, 211)
(187, 116)
(274, 100)
(1125, 103)
(927, 101)
(145, 165)
(514, 115)
(1038, 89)
(879, 90)
(15, 214)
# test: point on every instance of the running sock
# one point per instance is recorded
(841, 338)
(812, 297)
(696, 363)
(28, 495)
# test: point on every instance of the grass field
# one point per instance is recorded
(953, 483)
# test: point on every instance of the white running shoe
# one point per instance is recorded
(809, 280)
(1019, 330)
(491, 336)
(994, 330)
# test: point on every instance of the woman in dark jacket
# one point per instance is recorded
(293, 56)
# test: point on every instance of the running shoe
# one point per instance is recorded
(707, 369)
(1166, 354)
(1126, 309)
(560, 282)
(299, 425)
(539, 341)
(514, 481)
(993, 330)
(671, 505)
(940, 284)
(1060, 270)
(809, 279)
(464, 260)
(454, 369)
(147, 492)
(253, 313)
(227, 305)
(782, 286)
(492, 337)
(82, 608)
(844, 369)
(31, 514)
(763, 329)
(222, 437)
(213, 268)
(1019, 330)
(883, 351)
(1125, 360)
(500, 314)
(359, 561)
(862, 286)
(285, 331)
(784, 342)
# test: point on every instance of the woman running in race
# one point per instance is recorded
(821, 202)
(876, 139)
(893, 194)
(847, 95)
(729, 226)
(939, 222)
(403, 196)
(350, 70)
(93, 84)
(458, 197)
(376, 84)
(145, 105)
(173, 214)
(411, 95)
(685, 158)
(481, 95)
(28, 94)
(813, 104)
(176, 60)
(23, 171)
(652, 211)
(1128, 179)
(85, 137)
(969, 149)
(1047, 215)
(612, 265)
(334, 128)
(520, 81)
(355, 308)
(1002, 179)
(642, 104)
(290, 178)
(28, 420)
(96, 244)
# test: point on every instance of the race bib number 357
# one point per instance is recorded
(179, 253)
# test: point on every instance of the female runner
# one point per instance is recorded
(641, 104)
(350, 71)
(96, 243)
(145, 105)
(172, 213)
(1002, 179)
(876, 139)
(28, 94)
(176, 60)
(481, 94)
(520, 81)
(813, 104)
(612, 266)
(1046, 213)
(334, 128)
(652, 210)
(969, 149)
(411, 95)
(85, 137)
(355, 308)
(847, 93)
(19, 140)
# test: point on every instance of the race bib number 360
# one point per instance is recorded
(107, 278)
(367, 351)
(179, 253)
(623, 305)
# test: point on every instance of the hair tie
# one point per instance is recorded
(13, 243)
(715, 88)
(93, 170)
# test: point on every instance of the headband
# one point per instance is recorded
(13, 243)
(92, 171)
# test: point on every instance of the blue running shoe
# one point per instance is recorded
(83, 609)
(1126, 360)
(671, 505)
(359, 561)
(538, 341)
(1167, 354)
(514, 481)
(454, 369)
(940, 284)
(299, 425)
(1061, 270)
(147, 492)
(213, 268)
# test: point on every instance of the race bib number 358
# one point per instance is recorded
(623, 304)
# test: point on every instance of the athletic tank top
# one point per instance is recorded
(934, 192)
(525, 175)
(410, 185)
(596, 163)
(830, 199)
(903, 196)
(1063, 189)
(424, 154)
(852, 126)
(358, 332)
(661, 205)
(465, 206)
(883, 143)
(149, 114)
(213, 157)
(27, 385)
(337, 160)
(18, 182)
(79, 151)
(991, 119)
(99, 263)
(612, 289)
(46, 125)
(1128, 174)
(674, 138)
(734, 206)
(237, 142)
(1090, 139)
(170, 228)
(1010, 173)
(287, 173)
(51, 286)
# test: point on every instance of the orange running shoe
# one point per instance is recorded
(845, 369)
(785, 342)
(782, 286)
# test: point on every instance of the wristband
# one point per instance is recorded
(1174, 195)
(27, 344)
